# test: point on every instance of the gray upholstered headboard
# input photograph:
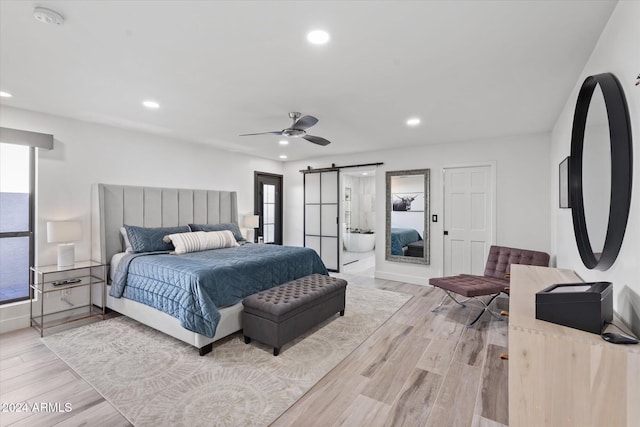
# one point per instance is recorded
(116, 205)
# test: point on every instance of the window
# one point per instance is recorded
(268, 205)
(268, 209)
(17, 183)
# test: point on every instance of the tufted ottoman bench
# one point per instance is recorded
(278, 315)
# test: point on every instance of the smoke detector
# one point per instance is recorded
(48, 16)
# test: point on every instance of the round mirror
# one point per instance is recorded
(596, 172)
(600, 170)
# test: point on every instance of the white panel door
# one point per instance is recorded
(468, 219)
(321, 195)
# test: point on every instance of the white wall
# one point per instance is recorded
(86, 153)
(523, 192)
(618, 52)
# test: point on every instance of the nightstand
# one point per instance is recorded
(57, 290)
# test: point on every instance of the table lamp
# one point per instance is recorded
(64, 232)
(251, 222)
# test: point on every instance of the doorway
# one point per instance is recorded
(268, 206)
(358, 190)
(469, 218)
(321, 215)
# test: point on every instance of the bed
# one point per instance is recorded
(209, 279)
(401, 238)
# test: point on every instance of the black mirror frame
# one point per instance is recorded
(621, 169)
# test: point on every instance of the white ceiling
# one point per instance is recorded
(469, 69)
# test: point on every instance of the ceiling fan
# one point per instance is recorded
(298, 129)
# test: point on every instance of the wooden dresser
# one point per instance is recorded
(559, 376)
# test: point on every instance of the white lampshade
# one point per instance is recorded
(63, 231)
(251, 221)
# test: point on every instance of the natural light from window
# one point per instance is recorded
(14, 177)
(15, 227)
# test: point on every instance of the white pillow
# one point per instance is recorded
(127, 244)
(201, 241)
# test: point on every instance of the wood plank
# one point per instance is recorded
(479, 421)
(323, 406)
(633, 391)
(473, 342)
(78, 394)
(32, 391)
(376, 352)
(493, 399)
(413, 405)
(390, 378)
(364, 411)
(438, 356)
(33, 376)
(455, 403)
(524, 367)
(99, 415)
(608, 365)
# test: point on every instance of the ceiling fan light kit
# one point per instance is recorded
(297, 129)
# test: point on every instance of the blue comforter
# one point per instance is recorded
(191, 287)
(402, 237)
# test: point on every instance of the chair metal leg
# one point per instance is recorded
(444, 298)
(486, 308)
(439, 305)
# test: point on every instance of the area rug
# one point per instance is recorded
(153, 379)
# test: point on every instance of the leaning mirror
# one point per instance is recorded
(600, 170)
(407, 220)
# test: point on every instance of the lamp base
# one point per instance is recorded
(66, 255)
(251, 235)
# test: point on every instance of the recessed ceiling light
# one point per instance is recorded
(283, 142)
(6, 95)
(414, 121)
(283, 156)
(365, 173)
(318, 37)
(151, 104)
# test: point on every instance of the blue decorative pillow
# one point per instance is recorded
(219, 227)
(146, 239)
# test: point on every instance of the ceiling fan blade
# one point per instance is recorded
(304, 122)
(316, 140)
(263, 133)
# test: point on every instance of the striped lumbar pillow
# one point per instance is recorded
(201, 241)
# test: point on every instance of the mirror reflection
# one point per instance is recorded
(407, 225)
(596, 172)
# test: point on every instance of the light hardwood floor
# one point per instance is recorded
(418, 369)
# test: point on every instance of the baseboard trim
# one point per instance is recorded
(14, 316)
(13, 324)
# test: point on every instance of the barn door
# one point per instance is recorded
(321, 224)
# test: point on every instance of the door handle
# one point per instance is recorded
(446, 233)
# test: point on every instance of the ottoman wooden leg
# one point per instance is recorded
(276, 351)
(341, 312)
(247, 340)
